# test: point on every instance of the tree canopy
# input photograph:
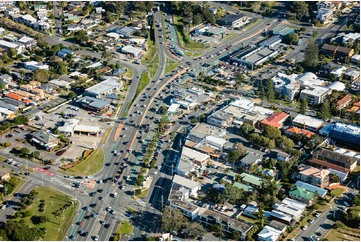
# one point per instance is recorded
(311, 54)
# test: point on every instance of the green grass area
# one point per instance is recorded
(343, 234)
(152, 70)
(251, 220)
(337, 192)
(143, 194)
(2, 158)
(129, 74)
(54, 200)
(183, 36)
(132, 210)
(230, 36)
(125, 227)
(105, 136)
(152, 50)
(143, 82)
(92, 164)
(171, 65)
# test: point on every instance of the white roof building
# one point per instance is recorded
(308, 79)
(193, 186)
(339, 71)
(173, 108)
(86, 129)
(61, 83)
(216, 141)
(113, 35)
(243, 103)
(34, 65)
(316, 94)
(350, 37)
(195, 156)
(109, 85)
(269, 234)
(286, 85)
(308, 122)
(337, 86)
(132, 50)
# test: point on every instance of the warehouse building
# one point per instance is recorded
(132, 51)
(255, 57)
(109, 85)
(307, 122)
(232, 20)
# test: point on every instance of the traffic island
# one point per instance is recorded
(125, 229)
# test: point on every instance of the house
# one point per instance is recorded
(9, 45)
(178, 199)
(242, 186)
(343, 102)
(28, 42)
(324, 15)
(338, 72)
(350, 38)
(232, 20)
(2, 31)
(302, 195)
(324, 164)
(34, 65)
(315, 95)
(65, 52)
(109, 85)
(227, 224)
(337, 86)
(345, 133)
(312, 175)
(249, 160)
(269, 233)
(282, 156)
(352, 75)
(193, 187)
(220, 119)
(44, 139)
(320, 192)
(287, 211)
(307, 122)
(337, 51)
(336, 158)
(278, 225)
(275, 120)
(251, 180)
(251, 210)
(282, 30)
(6, 79)
(4, 175)
(93, 104)
(292, 131)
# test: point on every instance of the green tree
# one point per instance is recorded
(233, 156)
(246, 129)
(272, 132)
(232, 194)
(240, 78)
(72, 95)
(270, 90)
(41, 75)
(356, 46)
(311, 54)
(291, 39)
(81, 36)
(300, 8)
(24, 151)
(2, 86)
(172, 219)
(352, 217)
(197, 19)
(60, 67)
(325, 110)
(303, 105)
(284, 143)
(240, 148)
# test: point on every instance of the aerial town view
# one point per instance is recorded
(180, 120)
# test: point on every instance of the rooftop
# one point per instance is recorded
(320, 191)
(184, 182)
(194, 155)
(303, 132)
(109, 84)
(231, 17)
(254, 180)
(345, 99)
(308, 121)
(269, 233)
(301, 193)
(328, 165)
(276, 119)
(251, 158)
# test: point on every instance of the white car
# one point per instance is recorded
(96, 237)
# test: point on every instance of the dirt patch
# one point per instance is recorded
(247, 87)
(257, 100)
(334, 186)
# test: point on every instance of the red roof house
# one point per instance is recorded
(275, 120)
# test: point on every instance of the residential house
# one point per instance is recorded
(34, 65)
(286, 85)
(220, 119)
(302, 195)
(282, 156)
(278, 225)
(275, 120)
(251, 159)
(227, 224)
(251, 210)
(324, 15)
(312, 175)
(9, 45)
(251, 180)
(320, 192)
(337, 51)
(4, 175)
(192, 186)
(293, 131)
(336, 158)
(287, 211)
(44, 139)
(269, 233)
(65, 52)
(343, 102)
(28, 42)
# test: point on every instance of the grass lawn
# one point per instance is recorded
(152, 67)
(53, 201)
(132, 210)
(143, 194)
(251, 220)
(125, 228)
(230, 36)
(343, 234)
(2, 158)
(171, 65)
(105, 136)
(337, 192)
(129, 74)
(92, 164)
(152, 50)
(143, 82)
(184, 38)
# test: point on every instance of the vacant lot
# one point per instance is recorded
(92, 164)
(343, 234)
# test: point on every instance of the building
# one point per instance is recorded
(314, 176)
(249, 160)
(343, 102)
(278, 225)
(132, 51)
(251, 210)
(269, 233)
(220, 119)
(302, 195)
(109, 85)
(173, 109)
(45, 140)
(336, 158)
(287, 211)
(292, 131)
(315, 95)
(196, 157)
(227, 224)
(232, 20)
(178, 199)
(307, 122)
(350, 38)
(324, 15)
(65, 53)
(286, 85)
(5, 175)
(34, 65)
(192, 186)
(337, 86)
(271, 42)
(28, 42)
(282, 30)
(275, 120)
(345, 133)
(282, 156)
(93, 104)
(125, 31)
(8, 45)
(254, 57)
(251, 180)
(320, 192)
(337, 51)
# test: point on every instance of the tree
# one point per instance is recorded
(246, 129)
(72, 95)
(270, 90)
(300, 8)
(291, 39)
(235, 235)
(60, 67)
(172, 219)
(311, 54)
(106, 55)
(81, 36)
(233, 156)
(284, 143)
(325, 110)
(41, 75)
(356, 46)
(240, 78)
(197, 19)
(24, 151)
(352, 217)
(272, 132)
(193, 230)
(240, 148)
(303, 105)
(2, 86)
(232, 194)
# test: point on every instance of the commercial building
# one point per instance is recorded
(345, 133)
(192, 186)
(93, 104)
(307, 122)
(178, 199)
(271, 42)
(232, 20)
(191, 97)
(255, 57)
(282, 30)
(220, 119)
(275, 120)
(109, 85)
(44, 139)
(125, 31)
(286, 85)
(132, 51)
(194, 156)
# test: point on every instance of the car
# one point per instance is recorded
(101, 198)
(201, 238)
(94, 215)
(318, 215)
(346, 204)
(96, 237)
(102, 222)
(311, 221)
(71, 237)
(304, 227)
